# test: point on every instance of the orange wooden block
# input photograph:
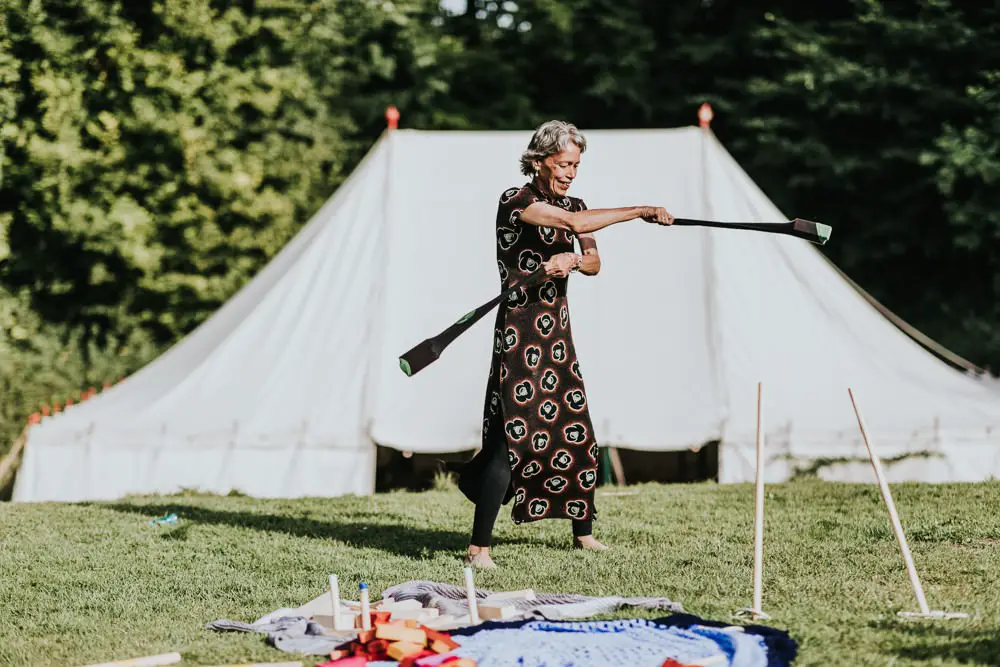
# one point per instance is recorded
(401, 650)
(440, 642)
(366, 636)
(443, 645)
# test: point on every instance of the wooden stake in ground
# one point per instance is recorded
(756, 611)
(335, 602)
(470, 594)
(897, 527)
(147, 661)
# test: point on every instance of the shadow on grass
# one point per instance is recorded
(402, 537)
(937, 640)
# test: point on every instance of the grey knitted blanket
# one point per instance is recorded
(450, 599)
(288, 630)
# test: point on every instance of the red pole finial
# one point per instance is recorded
(392, 117)
(705, 114)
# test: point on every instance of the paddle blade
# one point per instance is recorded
(420, 357)
(816, 232)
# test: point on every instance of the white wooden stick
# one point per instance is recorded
(366, 618)
(335, 602)
(897, 528)
(758, 524)
(470, 594)
(147, 661)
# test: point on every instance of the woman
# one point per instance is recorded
(538, 439)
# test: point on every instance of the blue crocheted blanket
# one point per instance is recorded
(626, 642)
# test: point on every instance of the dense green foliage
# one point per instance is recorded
(833, 576)
(154, 154)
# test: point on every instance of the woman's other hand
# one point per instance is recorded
(559, 266)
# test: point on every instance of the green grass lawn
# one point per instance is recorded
(92, 582)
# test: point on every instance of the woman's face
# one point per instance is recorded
(556, 172)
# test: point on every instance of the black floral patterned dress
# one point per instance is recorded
(536, 404)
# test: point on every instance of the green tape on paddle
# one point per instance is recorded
(823, 231)
(404, 365)
(466, 317)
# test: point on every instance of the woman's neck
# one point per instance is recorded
(537, 182)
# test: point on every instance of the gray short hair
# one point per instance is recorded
(549, 138)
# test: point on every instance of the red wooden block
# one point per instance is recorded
(353, 661)
(377, 649)
(412, 660)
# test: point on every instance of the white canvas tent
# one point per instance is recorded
(285, 390)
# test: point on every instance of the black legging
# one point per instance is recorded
(496, 480)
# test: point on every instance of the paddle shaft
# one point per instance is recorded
(778, 227)
(426, 352)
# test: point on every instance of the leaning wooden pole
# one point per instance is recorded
(897, 527)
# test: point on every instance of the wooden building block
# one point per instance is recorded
(348, 620)
(351, 661)
(399, 651)
(401, 633)
(440, 642)
(496, 611)
(393, 605)
(420, 614)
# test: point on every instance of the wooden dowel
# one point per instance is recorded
(897, 528)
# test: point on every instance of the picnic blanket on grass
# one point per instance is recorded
(289, 630)
(634, 642)
(543, 636)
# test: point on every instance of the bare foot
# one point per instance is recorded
(589, 543)
(479, 557)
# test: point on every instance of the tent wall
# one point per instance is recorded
(285, 390)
